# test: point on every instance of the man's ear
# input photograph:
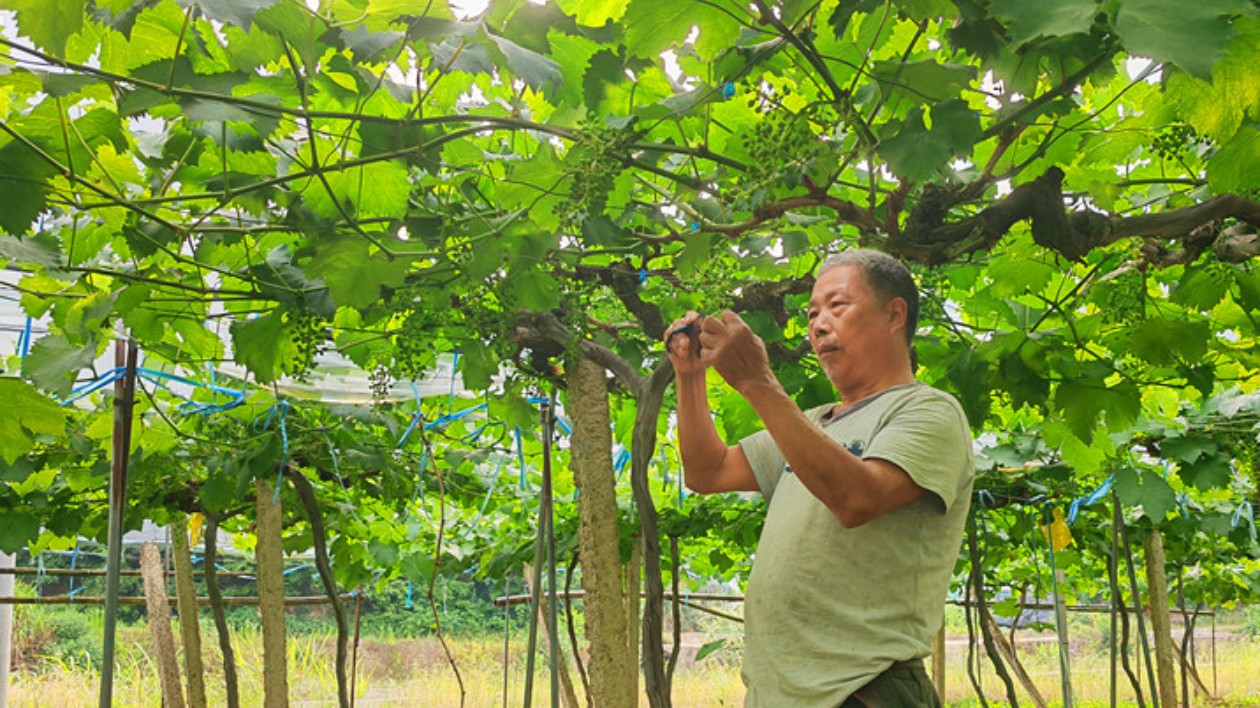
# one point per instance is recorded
(896, 309)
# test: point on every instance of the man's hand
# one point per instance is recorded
(728, 345)
(682, 344)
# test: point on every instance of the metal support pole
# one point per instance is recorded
(125, 354)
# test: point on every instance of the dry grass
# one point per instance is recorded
(416, 672)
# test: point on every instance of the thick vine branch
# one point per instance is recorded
(929, 238)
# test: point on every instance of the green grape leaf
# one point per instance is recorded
(19, 528)
(22, 172)
(37, 249)
(237, 12)
(1202, 287)
(366, 44)
(652, 26)
(1187, 449)
(1190, 35)
(54, 363)
(1030, 19)
(16, 470)
(1233, 167)
(926, 81)
(594, 13)
(1167, 341)
(915, 153)
(476, 365)
(538, 72)
(260, 345)
(1082, 401)
(1208, 472)
(1145, 489)
(353, 273)
(534, 289)
(25, 414)
(218, 492)
(49, 23)
(844, 11)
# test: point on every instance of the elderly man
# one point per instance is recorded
(867, 497)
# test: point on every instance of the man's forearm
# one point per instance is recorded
(699, 445)
(831, 473)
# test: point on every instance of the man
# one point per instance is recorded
(867, 497)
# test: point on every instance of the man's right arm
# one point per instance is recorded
(709, 464)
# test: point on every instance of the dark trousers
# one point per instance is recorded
(904, 685)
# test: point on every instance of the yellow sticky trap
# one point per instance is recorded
(195, 522)
(1058, 534)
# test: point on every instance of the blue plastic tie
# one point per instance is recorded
(1089, 499)
(24, 341)
(728, 90)
(415, 418)
(1246, 511)
(643, 276)
(985, 498)
(520, 458)
(408, 605)
(282, 407)
(454, 368)
(104, 380)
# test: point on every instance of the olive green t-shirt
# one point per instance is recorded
(828, 608)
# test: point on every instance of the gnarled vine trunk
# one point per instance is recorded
(591, 458)
(189, 623)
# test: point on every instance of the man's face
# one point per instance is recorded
(848, 326)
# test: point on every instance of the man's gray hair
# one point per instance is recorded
(886, 276)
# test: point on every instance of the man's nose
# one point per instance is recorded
(819, 326)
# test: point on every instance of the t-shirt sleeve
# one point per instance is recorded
(765, 459)
(928, 437)
(768, 464)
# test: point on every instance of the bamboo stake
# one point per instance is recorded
(568, 695)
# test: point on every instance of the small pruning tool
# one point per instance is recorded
(688, 329)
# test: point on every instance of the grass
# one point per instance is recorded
(400, 672)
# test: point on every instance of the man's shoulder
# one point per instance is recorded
(920, 393)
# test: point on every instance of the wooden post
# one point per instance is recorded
(189, 623)
(159, 614)
(1157, 595)
(270, 556)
